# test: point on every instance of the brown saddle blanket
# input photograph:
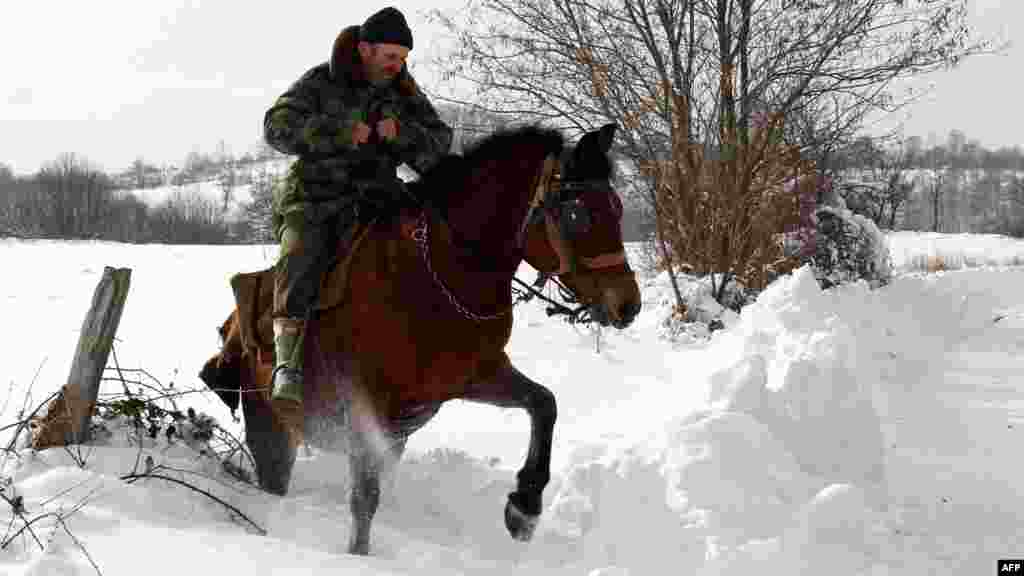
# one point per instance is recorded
(254, 293)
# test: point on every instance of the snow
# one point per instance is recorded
(857, 431)
(866, 247)
(933, 250)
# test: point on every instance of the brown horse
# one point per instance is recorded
(427, 312)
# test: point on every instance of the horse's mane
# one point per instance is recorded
(501, 144)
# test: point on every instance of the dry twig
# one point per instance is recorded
(131, 478)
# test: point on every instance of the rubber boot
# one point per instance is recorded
(287, 378)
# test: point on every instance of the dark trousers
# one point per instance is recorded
(307, 248)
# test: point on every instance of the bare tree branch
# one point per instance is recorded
(131, 478)
(722, 103)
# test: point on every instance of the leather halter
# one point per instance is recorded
(546, 200)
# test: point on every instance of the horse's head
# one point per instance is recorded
(575, 230)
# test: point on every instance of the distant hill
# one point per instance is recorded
(211, 184)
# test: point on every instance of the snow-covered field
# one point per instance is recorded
(840, 432)
(931, 251)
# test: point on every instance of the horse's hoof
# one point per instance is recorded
(520, 524)
(274, 480)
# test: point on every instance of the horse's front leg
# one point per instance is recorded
(373, 455)
(511, 389)
(368, 468)
(365, 494)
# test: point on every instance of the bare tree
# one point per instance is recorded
(971, 191)
(872, 180)
(258, 212)
(1011, 218)
(188, 218)
(227, 180)
(128, 221)
(7, 199)
(15, 194)
(936, 194)
(721, 102)
(984, 202)
(76, 197)
(139, 172)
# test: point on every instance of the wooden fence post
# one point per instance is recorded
(68, 415)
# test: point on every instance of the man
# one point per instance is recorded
(350, 121)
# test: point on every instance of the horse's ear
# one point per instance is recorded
(601, 138)
(605, 136)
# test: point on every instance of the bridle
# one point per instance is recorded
(560, 203)
(565, 216)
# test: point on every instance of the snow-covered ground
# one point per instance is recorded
(931, 251)
(840, 432)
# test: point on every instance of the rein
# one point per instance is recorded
(578, 315)
(421, 235)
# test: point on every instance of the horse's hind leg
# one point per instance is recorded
(511, 389)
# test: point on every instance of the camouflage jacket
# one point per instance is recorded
(314, 118)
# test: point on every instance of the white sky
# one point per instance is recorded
(116, 79)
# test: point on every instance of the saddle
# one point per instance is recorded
(254, 293)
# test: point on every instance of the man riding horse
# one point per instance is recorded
(351, 121)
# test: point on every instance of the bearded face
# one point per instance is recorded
(382, 62)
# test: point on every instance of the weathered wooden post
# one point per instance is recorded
(68, 415)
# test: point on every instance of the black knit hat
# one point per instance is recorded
(386, 27)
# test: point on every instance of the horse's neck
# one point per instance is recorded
(490, 219)
(476, 257)
(473, 267)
